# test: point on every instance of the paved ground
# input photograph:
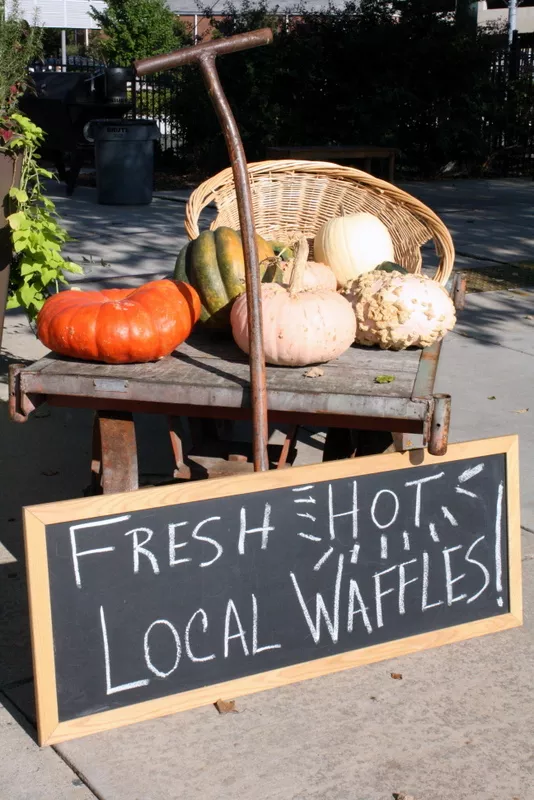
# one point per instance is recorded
(457, 727)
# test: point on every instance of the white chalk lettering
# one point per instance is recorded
(395, 511)
(309, 536)
(383, 547)
(323, 558)
(403, 583)
(303, 488)
(196, 535)
(448, 576)
(448, 516)
(177, 644)
(173, 546)
(139, 547)
(264, 529)
(470, 473)
(188, 650)
(77, 553)
(123, 687)
(354, 593)
(426, 575)
(379, 594)
(478, 564)
(255, 648)
(231, 609)
(406, 540)
(354, 554)
(419, 484)
(498, 534)
(307, 516)
(320, 608)
(433, 532)
(352, 513)
(464, 491)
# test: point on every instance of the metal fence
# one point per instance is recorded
(506, 127)
(152, 97)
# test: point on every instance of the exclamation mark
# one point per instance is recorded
(498, 553)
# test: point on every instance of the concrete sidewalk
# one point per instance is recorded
(456, 727)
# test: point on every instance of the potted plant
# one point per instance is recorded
(31, 264)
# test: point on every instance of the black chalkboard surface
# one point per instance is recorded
(151, 602)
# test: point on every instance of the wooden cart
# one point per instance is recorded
(208, 379)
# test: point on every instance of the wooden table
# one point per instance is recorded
(339, 153)
(208, 379)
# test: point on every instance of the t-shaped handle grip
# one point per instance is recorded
(219, 47)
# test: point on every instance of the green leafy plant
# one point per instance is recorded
(37, 236)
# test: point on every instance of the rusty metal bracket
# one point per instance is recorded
(21, 404)
(204, 55)
(459, 287)
(439, 426)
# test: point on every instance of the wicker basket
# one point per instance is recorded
(292, 198)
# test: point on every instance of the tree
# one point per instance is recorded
(135, 29)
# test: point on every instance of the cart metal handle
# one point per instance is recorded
(188, 55)
(204, 55)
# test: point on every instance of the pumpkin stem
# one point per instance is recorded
(296, 284)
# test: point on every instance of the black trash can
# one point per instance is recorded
(124, 157)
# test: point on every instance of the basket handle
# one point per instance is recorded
(219, 47)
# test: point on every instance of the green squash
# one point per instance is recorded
(390, 266)
(282, 250)
(214, 264)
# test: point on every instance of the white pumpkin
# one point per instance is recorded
(353, 245)
(396, 311)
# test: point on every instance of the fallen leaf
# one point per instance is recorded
(372, 697)
(529, 316)
(384, 379)
(520, 410)
(397, 676)
(403, 796)
(492, 397)
(314, 372)
(50, 472)
(226, 707)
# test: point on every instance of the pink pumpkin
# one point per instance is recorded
(300, 326)
(316, 276)
(396, 311)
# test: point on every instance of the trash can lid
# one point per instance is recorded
(125, 129)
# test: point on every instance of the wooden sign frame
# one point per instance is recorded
(51, 731)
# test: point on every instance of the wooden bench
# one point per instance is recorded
(337, 153)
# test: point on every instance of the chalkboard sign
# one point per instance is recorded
(164, 599)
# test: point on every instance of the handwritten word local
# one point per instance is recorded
(320, 617)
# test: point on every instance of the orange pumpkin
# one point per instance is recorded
(120, 326)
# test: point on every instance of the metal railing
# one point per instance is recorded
(506, 126)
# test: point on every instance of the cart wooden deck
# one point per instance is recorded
(208, 377)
